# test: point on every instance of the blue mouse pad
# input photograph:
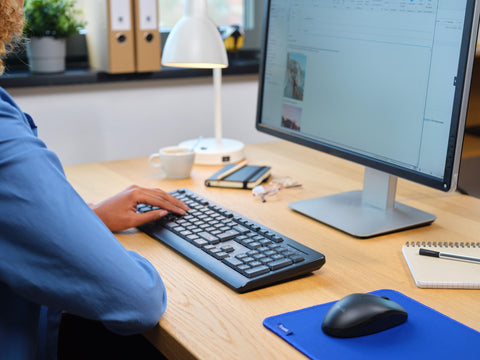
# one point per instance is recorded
(427, 334)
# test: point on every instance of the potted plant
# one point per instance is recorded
(48, 24)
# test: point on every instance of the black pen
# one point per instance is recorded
(443, 255)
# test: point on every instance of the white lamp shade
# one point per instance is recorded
(194, 41)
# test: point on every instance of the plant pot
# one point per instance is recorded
(46, 55)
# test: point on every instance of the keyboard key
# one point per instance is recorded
(248, 259)
(278, 264)
(255, 263)
(241, 229)
(296, 258)
(242, 268)
(212, 239)
(213, 250)
(258, 256)
(277, 239)
(265, 242)
(220, 255)
(141, 208)
(270, 253)
(257, 271)
(170, 225)
(191, 237)
(227, 235)
(209, 247)
(266, 260)
(254, 245)
(228, 248)
(199, 242)
(232, 262)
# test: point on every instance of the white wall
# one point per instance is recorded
(98, 122)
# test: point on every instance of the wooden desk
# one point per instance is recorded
(207, 320)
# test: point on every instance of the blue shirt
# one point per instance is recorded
(55, 251)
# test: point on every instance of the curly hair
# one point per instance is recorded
(11, 25)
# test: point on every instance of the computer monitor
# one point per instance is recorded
(383, 83)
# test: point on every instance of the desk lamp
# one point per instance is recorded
(195, 42)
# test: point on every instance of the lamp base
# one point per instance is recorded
(208, 152)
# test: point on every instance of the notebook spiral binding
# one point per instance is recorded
(444, 244)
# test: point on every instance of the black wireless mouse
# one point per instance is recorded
(362, 314)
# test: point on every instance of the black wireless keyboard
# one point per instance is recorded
(241, 253)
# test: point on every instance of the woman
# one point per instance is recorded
(55, 252)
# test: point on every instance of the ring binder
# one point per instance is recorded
(123, 35)
(147, 36)
(110, 35)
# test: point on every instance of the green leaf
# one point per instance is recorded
(56, 18)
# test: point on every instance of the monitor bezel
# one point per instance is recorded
(459, 113)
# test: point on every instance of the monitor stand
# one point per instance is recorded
(370, 212)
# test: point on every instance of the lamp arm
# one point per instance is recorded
(217, 85)
(196, 8)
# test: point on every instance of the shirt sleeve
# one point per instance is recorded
(55, 251)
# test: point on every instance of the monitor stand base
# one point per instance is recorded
(348, 213)
(370, 212)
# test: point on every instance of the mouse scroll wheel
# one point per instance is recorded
(384, 297)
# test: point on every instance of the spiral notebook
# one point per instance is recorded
(430, 272)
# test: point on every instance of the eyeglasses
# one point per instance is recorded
(263, 192)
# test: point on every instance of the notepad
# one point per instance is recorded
(429, 272)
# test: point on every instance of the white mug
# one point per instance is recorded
(175, 161)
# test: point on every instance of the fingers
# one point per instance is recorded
(149, 217)
(161, 199)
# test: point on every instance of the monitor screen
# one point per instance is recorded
(383, 83)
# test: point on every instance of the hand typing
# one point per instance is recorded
(120, 211)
